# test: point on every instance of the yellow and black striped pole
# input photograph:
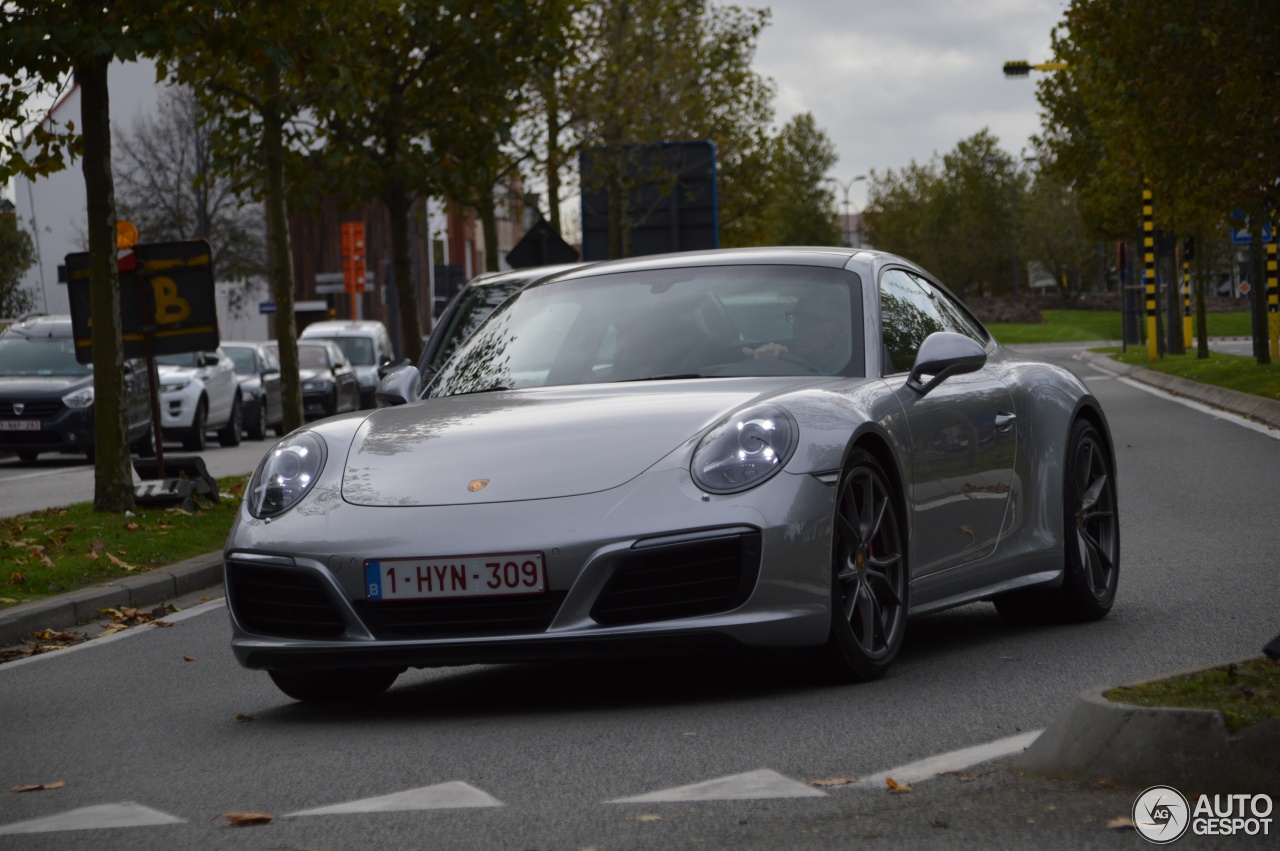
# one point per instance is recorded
(1273, 317)
(1149, 271)
(1186, 300)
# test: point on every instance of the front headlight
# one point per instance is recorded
(82, 398)
(286, 474)
(744, 450)
(316, 385)
(174, 386)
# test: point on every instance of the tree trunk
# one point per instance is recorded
(112, 477)
(281, 255)
(398, 204)
(552, 103)
(489, 224)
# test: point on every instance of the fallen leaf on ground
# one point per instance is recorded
(7, 600)
(1106, 784)
(97, 546)
(112, 629)
(17, 579)
(161, 623)
(648, 817)
(123, 565)
(189, 658)
(247, 819)
(50, 635)
(114, 613)
(896, 787)
(240, 716)
(39, 787)
(1120, 823)
(834, 781)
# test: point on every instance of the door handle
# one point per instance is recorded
(1005, 421)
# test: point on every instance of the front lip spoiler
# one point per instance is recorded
(546, 650)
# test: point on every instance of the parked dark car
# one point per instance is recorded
(472, 305)
(258, 371)
(46, 395)
(329, 382)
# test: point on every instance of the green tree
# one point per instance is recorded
(17, 255)
(794, 203)
(250, 65)
(42, 43)
(666, 71)
(419, 99)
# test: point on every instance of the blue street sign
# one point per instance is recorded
(1241, 236)
(267, 307)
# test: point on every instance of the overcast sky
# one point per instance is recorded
(891, 81)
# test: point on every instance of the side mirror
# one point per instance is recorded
(387, 367)
(398, 387)
(208, 359)
(942, 355)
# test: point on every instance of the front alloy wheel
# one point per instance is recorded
(869, 573)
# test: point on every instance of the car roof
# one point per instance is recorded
(527, 273)
(57, 326)
(828, 256)
(338, 327)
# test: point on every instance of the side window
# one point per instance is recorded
(955, 315)
(907, 316)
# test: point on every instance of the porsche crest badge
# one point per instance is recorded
(477, 485)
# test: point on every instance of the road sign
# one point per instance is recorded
(1241, 236)
(353, 272)
(266, 307)
(1244, 288)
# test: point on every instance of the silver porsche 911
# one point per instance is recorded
(759, 448)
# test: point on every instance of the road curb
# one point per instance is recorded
(145, 589)
(1257, 408)
(1141, 746)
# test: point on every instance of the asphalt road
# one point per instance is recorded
(547, 751)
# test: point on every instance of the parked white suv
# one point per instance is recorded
(199, 392)
(365, 343)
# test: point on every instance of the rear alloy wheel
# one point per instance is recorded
(869, 573)
(348, 685)
(230, 434)
(1091, 545)
(258, 428)
(194, 440)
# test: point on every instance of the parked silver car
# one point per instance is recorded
(762, 448)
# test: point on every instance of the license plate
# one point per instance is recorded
(19, 425)
(455, 576)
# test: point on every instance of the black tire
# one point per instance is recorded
(869, 576)
(145, 446)
(258, 428)
(1091, 540)
(28, 457)
(230, 434)
(347, 685)
(194, 440)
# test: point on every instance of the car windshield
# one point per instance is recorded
(312, 357)
(185, 359)
(244, 360)
(697, 322)
(359, 350)
(474, 306)
(39, 356)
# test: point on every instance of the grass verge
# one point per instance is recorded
(61, 549)
(1234, 372)
(1246, 693)
(1079, 326)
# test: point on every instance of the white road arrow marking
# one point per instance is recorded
(443, 796)
(764, 783)
(124, 814)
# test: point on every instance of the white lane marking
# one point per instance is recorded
(1203, 408)
(925, 769)
(176, 617)
(42, 473)
(124, 814)
(443, 796)
(764, 783)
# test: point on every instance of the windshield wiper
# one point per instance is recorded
(672, 377)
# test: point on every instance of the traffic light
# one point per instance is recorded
(1189, 249)
(1017, 69)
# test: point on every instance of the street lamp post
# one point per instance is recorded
(845, 187)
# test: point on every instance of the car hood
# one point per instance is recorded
(313, 374)
(42, 385)
(533, 444)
